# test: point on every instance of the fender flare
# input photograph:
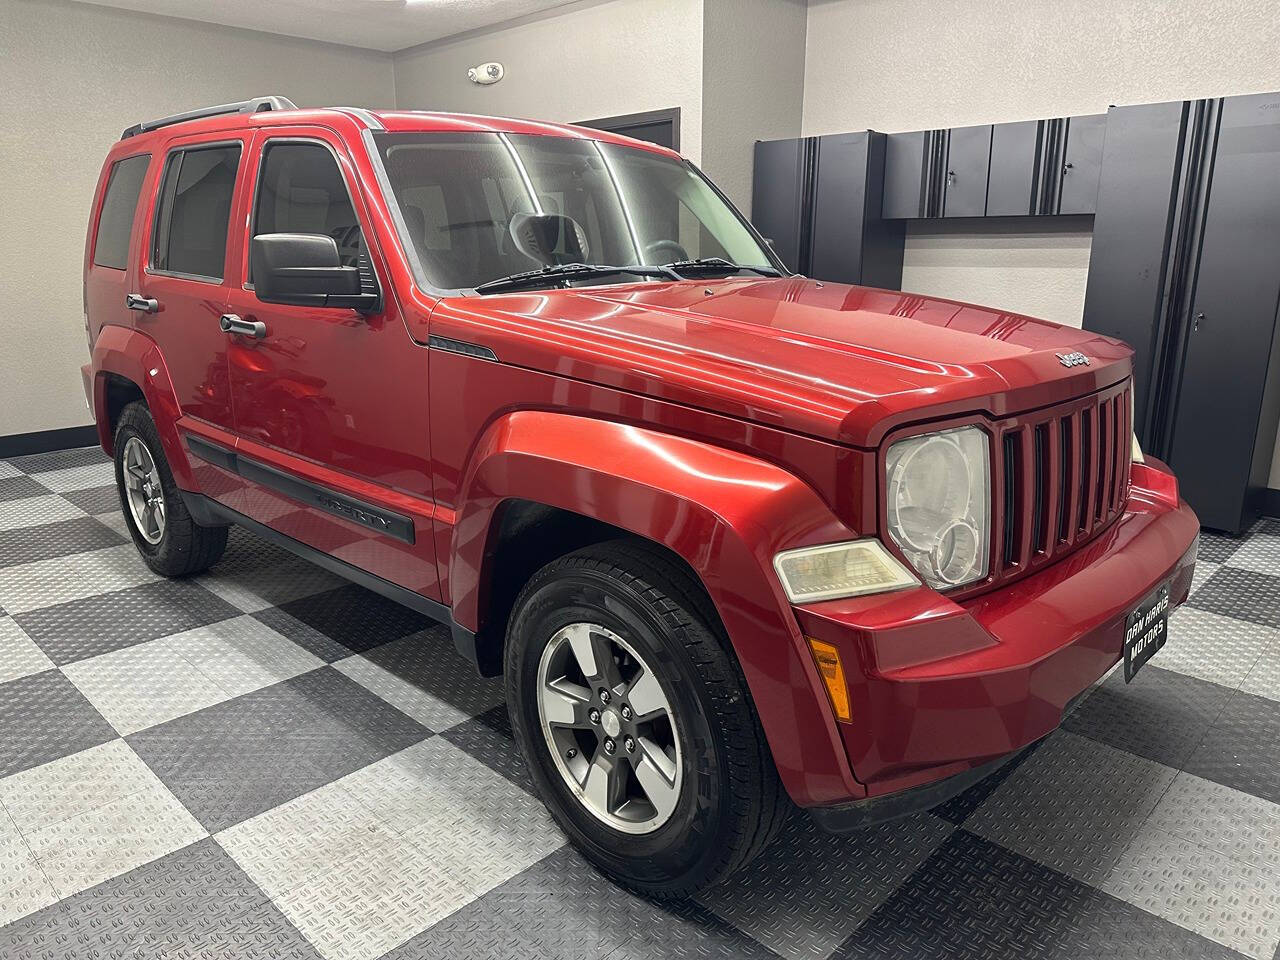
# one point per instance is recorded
(137, 358)
(725, 513)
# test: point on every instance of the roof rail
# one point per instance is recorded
(256, 105)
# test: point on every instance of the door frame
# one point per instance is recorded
(647, 118)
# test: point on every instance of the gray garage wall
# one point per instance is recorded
(73, 77)
(893, 65)
(752, 85)
(580, 62)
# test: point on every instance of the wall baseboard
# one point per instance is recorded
(42, 441)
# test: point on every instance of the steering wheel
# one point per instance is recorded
(664, 251)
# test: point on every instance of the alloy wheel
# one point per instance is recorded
(610, 727)
(143, 491)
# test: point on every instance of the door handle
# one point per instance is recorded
(135, 301)
(1195, 325)
(230, 323)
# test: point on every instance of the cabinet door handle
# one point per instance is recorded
(1195, 324)
(230, 323)
(1066, 168)
(136, 301)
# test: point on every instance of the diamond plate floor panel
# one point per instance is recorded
(366, 799)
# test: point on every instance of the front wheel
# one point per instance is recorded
(635, 720)
(169, 539)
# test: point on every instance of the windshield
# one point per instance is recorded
(477, 207)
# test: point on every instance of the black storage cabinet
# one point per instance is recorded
(1186, 268)
(819, 200)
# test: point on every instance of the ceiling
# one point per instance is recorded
(386, 25)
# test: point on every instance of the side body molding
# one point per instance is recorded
(725, 513)
(136, 357)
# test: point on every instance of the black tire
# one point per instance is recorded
(185, 547)
(731, 803)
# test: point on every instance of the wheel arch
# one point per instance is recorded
(128, 366)
(721, 514)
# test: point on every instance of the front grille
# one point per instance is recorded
(1061, 479)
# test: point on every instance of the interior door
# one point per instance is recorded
(331, 403)
(186, 278)
(1232, 324)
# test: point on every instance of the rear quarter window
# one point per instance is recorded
(115, 223)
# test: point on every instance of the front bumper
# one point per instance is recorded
(940, 688)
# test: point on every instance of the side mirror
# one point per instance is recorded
(304, 269)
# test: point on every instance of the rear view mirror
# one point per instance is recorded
(304, 269)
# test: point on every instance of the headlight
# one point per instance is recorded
(939, 504)
(840, 570)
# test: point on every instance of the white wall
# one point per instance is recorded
(1036, 267)
(581, 62)
(73, 77)
(752, 85)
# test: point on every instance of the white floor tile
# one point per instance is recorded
(1260, 553)
(1224, 899)
(296, 841)
(365, 906)
(1230, 822)
(242, 654)
(8, 470)
(477, 826)
(75, 785)
(78, 478)
(23, 886)
(1213, 647)
(453, 674)
(143, 685)
(19, 655)
(1264, 679)
(30, 586)
(84, 850)
(116, 521)
(1204, 570)
(33, 511)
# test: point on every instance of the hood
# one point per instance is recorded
(830, 360)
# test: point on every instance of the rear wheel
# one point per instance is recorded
(636, 723)
(170, 541)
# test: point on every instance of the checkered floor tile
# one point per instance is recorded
(267, 762)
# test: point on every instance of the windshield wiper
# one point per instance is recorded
(564, 272)
(705, 265)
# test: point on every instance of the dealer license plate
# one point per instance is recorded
(1145, 631)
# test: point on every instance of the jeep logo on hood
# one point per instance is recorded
(1072, 359)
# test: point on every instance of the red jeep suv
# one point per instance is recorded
(732, 536)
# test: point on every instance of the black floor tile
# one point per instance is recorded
(96, 625)
(1243, 594)
(44, 717)
(1161, 715)
(49, 540)
(59, 459)
(194, 902)
(561, 907)
(1242, 748)
(231, 761)
(1217, 547)
(95, 500)
(338, 623)
(487, 737)
(974, 900)
(19, 488)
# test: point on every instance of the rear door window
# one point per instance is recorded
(195, 207)
(115, 222)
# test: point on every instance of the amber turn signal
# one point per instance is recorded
(832, 672)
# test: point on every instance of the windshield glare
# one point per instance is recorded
(461, 194)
